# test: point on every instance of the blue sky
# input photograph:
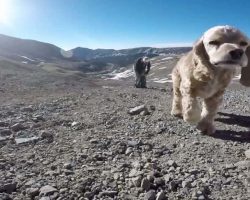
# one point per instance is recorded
(119, 23)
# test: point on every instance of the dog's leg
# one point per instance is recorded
(190, 104)
(209, 111)
(176, 104)
(191, 109)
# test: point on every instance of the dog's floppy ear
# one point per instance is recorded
(200, 51)
(245, 71)
(202, 70)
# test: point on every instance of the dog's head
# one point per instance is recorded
(223, 46)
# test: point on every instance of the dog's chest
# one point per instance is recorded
(220, 82)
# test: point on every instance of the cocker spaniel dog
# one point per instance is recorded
(205, 72)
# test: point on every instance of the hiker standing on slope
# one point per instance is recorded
(141, 69)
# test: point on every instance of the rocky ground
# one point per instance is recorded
(85, 141)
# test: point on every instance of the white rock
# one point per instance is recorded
(137, 110)
(247, 153)
(26, 140)
(75, 124)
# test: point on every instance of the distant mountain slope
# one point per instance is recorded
(32, 50)
(124, 57)
(86, 54)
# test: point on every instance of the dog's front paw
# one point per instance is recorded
(192, 116)
(206, 128)
(176, 112)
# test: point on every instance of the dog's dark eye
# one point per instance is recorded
(214, 42)
(243, 43)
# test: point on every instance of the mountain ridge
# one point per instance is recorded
(33, 52)
(13, 46)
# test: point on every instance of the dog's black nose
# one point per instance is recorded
(236, 54)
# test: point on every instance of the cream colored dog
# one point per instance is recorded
(205, 72)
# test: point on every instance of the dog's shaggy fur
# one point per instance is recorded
(205, 72)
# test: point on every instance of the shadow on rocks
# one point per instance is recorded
(160, 89)
(233, 119)
(239, 136)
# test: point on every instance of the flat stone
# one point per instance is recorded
(47, 190)
(229, 166)
(32, 192)
(17, 127)
(27, 109)
(243, 164)
(133, 143)
(26, 140)
(150, 195)
(30, 183)
(137, 110)
(51, 173)
(68, 172)
(161, 196)
(145, 184)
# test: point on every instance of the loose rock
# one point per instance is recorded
(47, 190)
(137, 110)
(150, 195)
(247, 153)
